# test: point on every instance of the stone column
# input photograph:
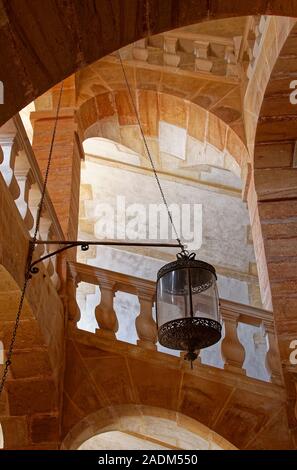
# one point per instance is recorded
(64, 177)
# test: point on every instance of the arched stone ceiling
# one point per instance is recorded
(220, 95)
(42, 43)
(111, 115)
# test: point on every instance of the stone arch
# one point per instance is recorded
(111, 116)
(278, 31)
(142, 420)
(78, 28)
(273, 205)
(219, 95)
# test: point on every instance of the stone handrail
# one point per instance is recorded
(26, 145)
(232, 313)
(24, 181)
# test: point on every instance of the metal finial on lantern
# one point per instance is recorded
(187, 305)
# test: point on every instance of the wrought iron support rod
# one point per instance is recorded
(66, 245)
(108, 242)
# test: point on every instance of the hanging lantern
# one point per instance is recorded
(187, 306)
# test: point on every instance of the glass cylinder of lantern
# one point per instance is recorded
(187, 305)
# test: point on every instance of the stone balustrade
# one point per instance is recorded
(232, 314)
(193, 52)
(189, 52)
(24, 182)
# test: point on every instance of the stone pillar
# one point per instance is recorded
(64, 177)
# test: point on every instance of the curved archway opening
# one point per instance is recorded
(195, 165)
(142, 427)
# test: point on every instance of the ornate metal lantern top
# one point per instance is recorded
(187, 305)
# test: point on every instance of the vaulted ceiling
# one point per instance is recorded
(42, 43)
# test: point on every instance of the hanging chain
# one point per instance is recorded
(149, 155)
(31, 250)
(147, 19)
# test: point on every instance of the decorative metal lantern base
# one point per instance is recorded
(190, 334)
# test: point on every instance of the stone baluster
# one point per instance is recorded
(256, 48)
(233, 352)
(259, 30)
(252, 50)
(230, 54)
(272, 360)
(202, 62)
(44, 231)
(262, 23)
(145, 325)
(140, 51)
(7, 164)
(105, 314)
(33, 202)
(55, 278)
(44, 227)
(73, 308)
(170, 56)
(24, 176)
(232, 69)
